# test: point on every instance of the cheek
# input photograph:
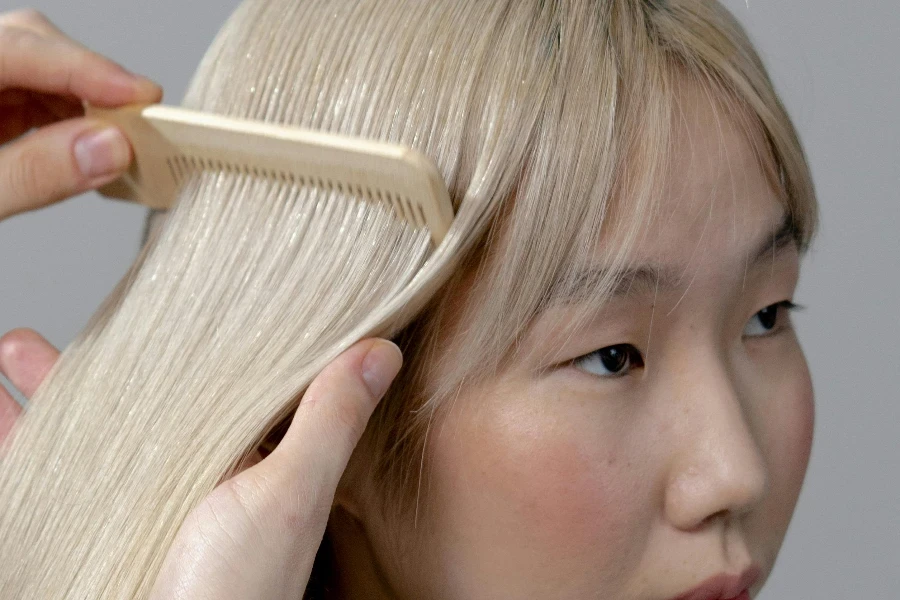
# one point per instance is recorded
(789, 421)
(538, 481)
(792, 429)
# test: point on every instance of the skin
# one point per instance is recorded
(256, 535)
(552, 481)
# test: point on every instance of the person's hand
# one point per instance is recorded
(256, 535)
(44, 78)
(25, 360)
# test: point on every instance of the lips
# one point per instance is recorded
(724, 587)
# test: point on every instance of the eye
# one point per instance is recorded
(611, 361)
(766, 321)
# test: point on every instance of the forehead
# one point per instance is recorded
(716, 199)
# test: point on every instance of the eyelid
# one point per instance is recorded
(788, 305)
(633, 352)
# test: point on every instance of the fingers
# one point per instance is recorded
(37, 57)
(28, 18)
(333, 414)
(23, 109)
(44, 77)
(9, 413)
(58, 161)
(25, 359)
(261, 528)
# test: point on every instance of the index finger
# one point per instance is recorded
(56, 65)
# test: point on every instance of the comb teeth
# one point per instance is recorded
(171, 143)
(183, 166)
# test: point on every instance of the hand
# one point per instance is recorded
(256, 535)
(44, 77)
(25, 360)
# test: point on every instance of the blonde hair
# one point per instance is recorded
(550, 122)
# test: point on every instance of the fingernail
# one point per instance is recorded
(102, 152)
(380, 366)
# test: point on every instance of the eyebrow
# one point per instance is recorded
(649, 279)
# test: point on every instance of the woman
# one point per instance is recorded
(637, 432)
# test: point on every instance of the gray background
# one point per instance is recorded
(834, 62)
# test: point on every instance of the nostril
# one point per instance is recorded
(713, 486)
(723, 516)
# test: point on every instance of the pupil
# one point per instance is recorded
(767, 316)
(614, 358)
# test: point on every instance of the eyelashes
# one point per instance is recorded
(611, 361)
(770, 319)
(618, 360)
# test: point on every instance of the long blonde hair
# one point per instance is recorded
(550, 123)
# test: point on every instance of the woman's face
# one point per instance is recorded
(666, 445)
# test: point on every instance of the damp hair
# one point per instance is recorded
(550, 122)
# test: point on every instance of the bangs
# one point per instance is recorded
(551, 123)
(596, 170)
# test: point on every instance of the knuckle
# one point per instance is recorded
(14, 42)
(350, 418)
(30, 16)
(305, 506)
(11, 35)
(235, 507)
(266, 502)
(216, 517)
(23, 16)
(342, 401)
(237, 493)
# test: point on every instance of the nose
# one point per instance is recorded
(717, 467)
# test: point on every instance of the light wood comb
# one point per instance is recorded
(172, 143)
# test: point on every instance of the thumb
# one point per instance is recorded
(334, 412)
(59, 161)
(256, 534)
